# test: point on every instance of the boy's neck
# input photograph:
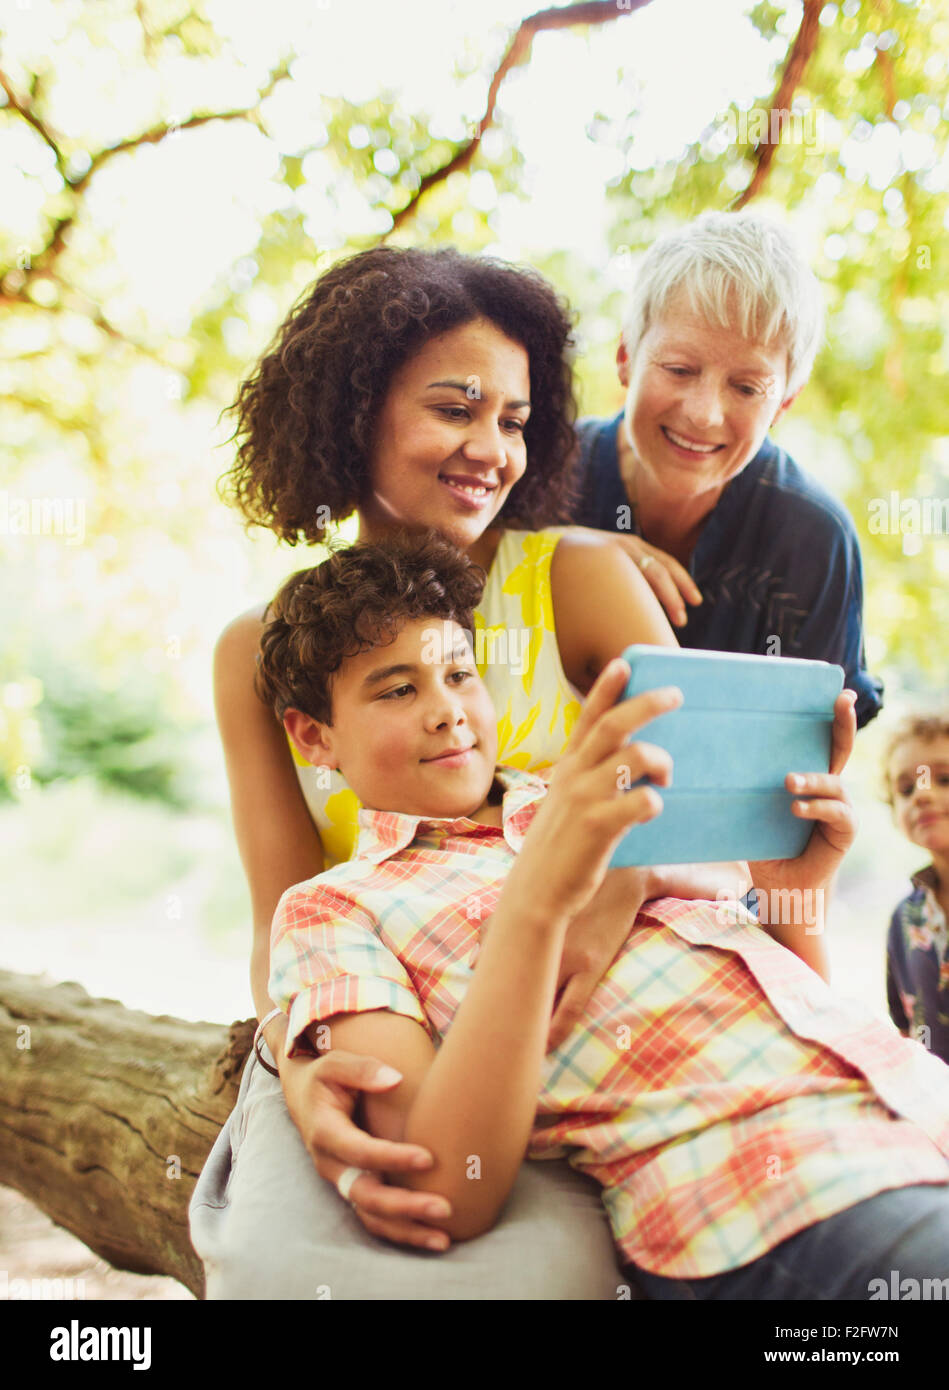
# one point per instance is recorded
(491, 812)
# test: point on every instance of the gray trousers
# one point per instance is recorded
(267, 1226)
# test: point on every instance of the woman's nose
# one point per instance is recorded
(485, 444)
(703, 405)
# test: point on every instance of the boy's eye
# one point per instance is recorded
(398, 690)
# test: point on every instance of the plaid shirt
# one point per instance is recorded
(716, 1088)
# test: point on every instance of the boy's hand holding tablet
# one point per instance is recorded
(758, 745)
(592, 799)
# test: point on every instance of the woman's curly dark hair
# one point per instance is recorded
(357, 599)
(305, 418)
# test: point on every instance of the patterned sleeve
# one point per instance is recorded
(894, 955)
(325, 958)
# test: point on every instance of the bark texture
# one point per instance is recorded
(107, 1115)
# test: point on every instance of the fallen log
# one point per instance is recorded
(107, 1115)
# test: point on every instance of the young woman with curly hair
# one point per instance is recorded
(420, 389)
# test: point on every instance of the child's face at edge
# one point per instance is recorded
(918, 778)
(390, 726)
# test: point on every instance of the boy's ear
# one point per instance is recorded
(308, 738)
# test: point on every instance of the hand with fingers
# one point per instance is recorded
(322, 1095)
(822, 798)
(593, 798)
(670, 581)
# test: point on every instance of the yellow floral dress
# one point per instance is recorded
(518, 659)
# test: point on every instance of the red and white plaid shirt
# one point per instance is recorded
(716, 1087)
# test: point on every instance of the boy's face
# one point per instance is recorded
(918, 776)
(397, 710)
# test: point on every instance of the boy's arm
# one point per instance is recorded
(472, 1101)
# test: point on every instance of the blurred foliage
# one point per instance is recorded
(107, 402)
(123, 738)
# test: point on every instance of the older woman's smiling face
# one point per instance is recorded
(700, 400)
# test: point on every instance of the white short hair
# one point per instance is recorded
(742, 271)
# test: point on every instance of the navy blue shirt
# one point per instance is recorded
(917, 970)
(777, 557)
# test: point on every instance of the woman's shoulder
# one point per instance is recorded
(239, 640)
(794, 493)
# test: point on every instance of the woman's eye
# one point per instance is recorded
(517, 426)
(454, 412)
(678, 371)
(465, 675)
(748, 390)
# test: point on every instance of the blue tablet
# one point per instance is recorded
(744, 724)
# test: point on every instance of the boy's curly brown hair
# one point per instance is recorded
(357, 599)
(926, 726)
(305, 418)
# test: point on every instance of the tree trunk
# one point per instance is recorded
(107, 1116)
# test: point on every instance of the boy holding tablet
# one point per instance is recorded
(728, 1104)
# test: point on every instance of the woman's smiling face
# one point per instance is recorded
(700, 400)
(449, 441)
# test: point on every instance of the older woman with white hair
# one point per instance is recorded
(719, 338)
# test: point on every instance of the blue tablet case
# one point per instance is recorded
(744, 724)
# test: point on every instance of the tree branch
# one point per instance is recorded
(518, 52)
(15, 282)
(800, 55)
(27, 110)
(107, 1116)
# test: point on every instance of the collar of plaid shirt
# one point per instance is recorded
(384, 833)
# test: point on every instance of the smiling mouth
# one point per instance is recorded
(449, 753)
(476, 491)
(693, 446)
